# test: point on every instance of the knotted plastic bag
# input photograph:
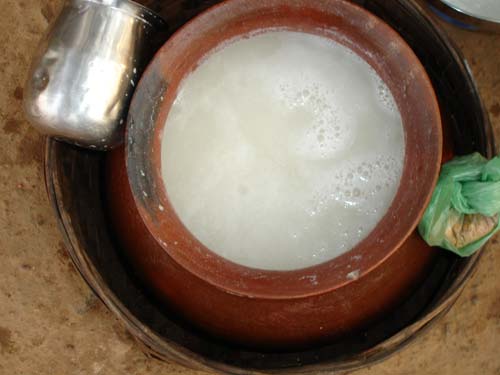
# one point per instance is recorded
(465, 206)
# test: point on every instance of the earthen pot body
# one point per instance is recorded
(271, 308)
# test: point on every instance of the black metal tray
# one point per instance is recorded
(75, 180)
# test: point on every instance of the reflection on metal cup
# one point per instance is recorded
(87, 67)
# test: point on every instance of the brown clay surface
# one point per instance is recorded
(50, 322)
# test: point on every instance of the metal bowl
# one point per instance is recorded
(460, 17)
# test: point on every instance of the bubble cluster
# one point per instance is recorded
(358, 182)
(327, 133)
(384, 95)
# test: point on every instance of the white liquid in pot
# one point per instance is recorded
(282, 151)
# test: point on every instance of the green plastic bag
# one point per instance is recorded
(464, 210)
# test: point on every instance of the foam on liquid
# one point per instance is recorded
(282, 151)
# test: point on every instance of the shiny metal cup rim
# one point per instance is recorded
(130, 8)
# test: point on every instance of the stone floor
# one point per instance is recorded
(51, 323)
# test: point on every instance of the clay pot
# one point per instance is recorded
(276, 308)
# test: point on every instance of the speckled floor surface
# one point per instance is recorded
(50, 322)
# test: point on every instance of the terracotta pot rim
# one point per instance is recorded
(255, 283)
